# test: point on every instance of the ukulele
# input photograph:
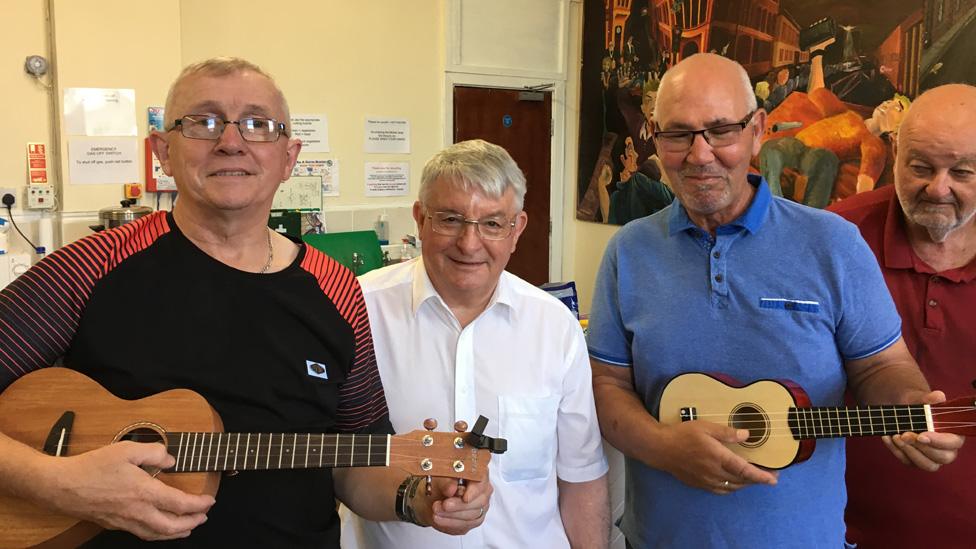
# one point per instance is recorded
(782, 425)
(64, 413)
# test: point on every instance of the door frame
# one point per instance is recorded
(557, 158)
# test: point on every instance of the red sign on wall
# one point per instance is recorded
(37, 162)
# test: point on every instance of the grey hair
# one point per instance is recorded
(476, 163)
(744, 81)
(220, 66)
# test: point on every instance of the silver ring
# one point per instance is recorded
(725, 484)
(481, 513)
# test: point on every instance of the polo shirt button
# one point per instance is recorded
(933, 303)
(934, 278)
(718, 278)
(717, 255)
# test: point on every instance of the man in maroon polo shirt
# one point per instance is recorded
(923, 232)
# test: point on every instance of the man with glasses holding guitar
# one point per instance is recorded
(730, 279)
(272, 333)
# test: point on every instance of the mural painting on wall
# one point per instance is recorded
(835, 77)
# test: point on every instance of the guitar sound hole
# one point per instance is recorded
(753, 419)
(143, 434)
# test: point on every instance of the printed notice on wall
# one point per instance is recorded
(93, 161)
(313, 130)
(387, 135)
(326, 168)
(387, 178)
(99, 111)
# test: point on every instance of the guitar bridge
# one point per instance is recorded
(688, 414)
(56, 443)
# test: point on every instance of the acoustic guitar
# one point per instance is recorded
(65, 413)
(782, 425)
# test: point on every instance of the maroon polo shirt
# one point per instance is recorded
(889, 504)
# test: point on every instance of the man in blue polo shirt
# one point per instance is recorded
(730, 279)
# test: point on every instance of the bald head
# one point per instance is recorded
(949, 106)
(703, 69)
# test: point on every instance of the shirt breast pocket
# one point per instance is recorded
(529, 425)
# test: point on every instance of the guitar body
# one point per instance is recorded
(34, 403)
(760, 407)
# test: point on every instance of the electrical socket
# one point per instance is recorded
(10, 191)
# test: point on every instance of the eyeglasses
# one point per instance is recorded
(717, 136)
(254, 129)
(489, 228)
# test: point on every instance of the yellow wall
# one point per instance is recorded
(346, 59)
(112, 44)
(25, 108)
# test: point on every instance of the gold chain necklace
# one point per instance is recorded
(270, 255)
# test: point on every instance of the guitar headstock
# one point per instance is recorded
(462, 454)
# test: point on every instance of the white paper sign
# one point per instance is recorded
(327, 169)
(387, 178)
(387, 135)
(299, 192)
(100, 111)
(94, 161)
(313, 130)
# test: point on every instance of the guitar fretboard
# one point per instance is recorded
(830, 422)
(245, 451)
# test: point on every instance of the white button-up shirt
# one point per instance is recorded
(523, 364)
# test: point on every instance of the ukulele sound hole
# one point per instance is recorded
(143, 434)
(753, 419)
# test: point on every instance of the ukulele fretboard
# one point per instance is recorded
(830, 422)
(246, 451)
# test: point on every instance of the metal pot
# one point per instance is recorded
(115, 216)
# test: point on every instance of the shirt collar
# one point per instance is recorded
(750, 220)
(423, 290)
(898, 252)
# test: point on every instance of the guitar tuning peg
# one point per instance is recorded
(461, 426)
(430, 424)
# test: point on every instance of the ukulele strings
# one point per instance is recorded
(853, 412)
(337, 445)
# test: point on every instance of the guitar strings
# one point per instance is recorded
(853, 411)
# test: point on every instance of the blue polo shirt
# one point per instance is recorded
(784, 291)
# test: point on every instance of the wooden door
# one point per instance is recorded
(519, 121)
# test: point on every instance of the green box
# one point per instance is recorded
(341, 246)
(287, 221)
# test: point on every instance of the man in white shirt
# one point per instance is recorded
(457, 337)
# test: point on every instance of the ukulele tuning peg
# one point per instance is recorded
(430, 424)
(461, 426)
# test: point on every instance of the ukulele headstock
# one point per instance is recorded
(462, 454)
(956, 416)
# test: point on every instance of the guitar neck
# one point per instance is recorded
(833, 422)
(244, 451)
